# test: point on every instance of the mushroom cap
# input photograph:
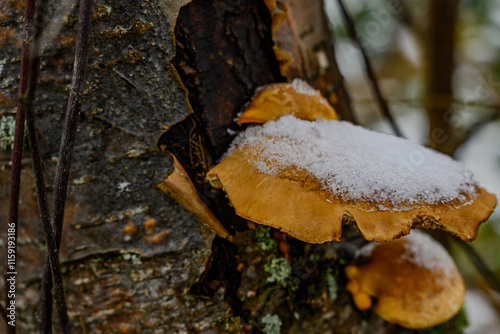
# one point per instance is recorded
(414, 280)
(289, 197)
(297, 98)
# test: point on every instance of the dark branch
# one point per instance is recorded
(72, 117)
(404, 15)
(343, 106)
(28, 103)
(476, 128)
(66, 148)
(17, 150)
(43, 206)
(384, 107)
(486, 272)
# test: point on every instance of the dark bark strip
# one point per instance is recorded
(223, 53)
(185, 140)
(221, 269)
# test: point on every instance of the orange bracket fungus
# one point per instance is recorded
(414, 280)
(180, 188)
(308, 178)
(297, 98)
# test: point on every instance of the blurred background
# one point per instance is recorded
(438, 65)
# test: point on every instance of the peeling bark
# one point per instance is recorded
(222, 60)
(305, 35)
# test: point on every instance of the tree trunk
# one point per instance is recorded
(134, 261)
(440, 65)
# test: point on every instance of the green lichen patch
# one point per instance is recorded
(7, 130)
(279, 270)
(332, 284)
(264, 239)
(272, 324)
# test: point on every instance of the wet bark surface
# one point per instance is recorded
(133, 260)
(305, 35)
(223, 60)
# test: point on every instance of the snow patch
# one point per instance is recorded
(481, 314)
(367, 249)
(426, 252)
(303, 87)
(420, 249)
(123, 186)
(357, 164)
(231, 132)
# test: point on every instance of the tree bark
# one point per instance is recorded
(133, 260)
(440, 65)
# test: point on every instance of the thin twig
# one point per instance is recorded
(404, 15)
(486, 272)
(43, 206)
(17, 154)
(420, 102)
(384, 107)
(46, 298)
(66, 149)
(476, 128)
(72, 117)
(45, 312)
(343, 106)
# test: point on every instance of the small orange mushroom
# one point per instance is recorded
(414, 281)
(157, 237)
(149, 225)
(278, 99)
(130, 229)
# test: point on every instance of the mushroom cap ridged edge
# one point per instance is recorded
(298, 208)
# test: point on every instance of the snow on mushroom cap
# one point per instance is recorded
(425, 252)
(356, 164)
(299, 85)
(303, 87)
(420, 249)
